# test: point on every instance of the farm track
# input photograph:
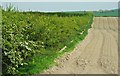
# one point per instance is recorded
(96, 54)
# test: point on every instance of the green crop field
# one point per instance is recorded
(32, 40)
(108, 13)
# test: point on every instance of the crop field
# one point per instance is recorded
(107, 13)
(32, 40)
(71, 42)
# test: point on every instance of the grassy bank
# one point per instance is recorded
(32, 40)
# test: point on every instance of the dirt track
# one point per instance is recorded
(96, 54)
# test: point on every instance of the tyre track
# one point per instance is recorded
(111, 31)
(108, 55)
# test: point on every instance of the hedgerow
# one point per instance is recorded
(26, 34)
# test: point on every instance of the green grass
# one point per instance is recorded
(43, 62)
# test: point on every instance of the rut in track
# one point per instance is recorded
(96, 54)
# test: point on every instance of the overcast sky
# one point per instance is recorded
(59, 0)
(62, 6)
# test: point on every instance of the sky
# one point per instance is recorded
(59, 0)
(62, 6)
